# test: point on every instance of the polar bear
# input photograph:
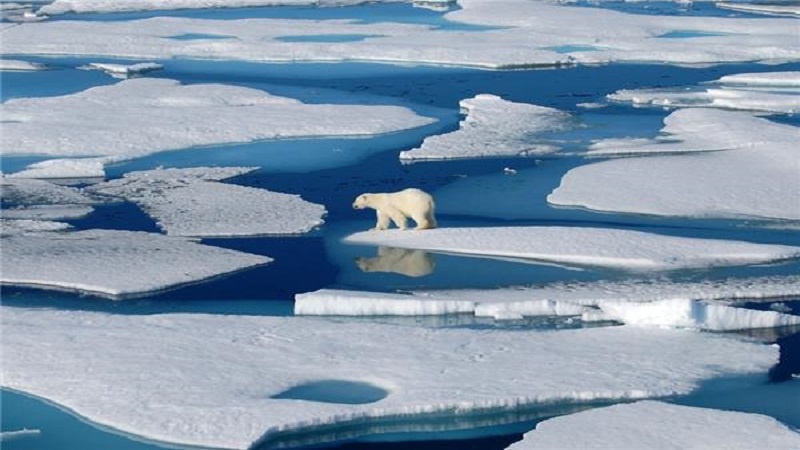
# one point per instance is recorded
(398, 207)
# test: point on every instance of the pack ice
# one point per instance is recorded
(223, 381)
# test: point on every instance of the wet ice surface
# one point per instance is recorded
(657, 425)
(220, 365)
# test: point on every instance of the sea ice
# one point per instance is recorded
(517, 33)
(38, 199)
(600, 247)
(770, 92)
(89, 6)
(658, 425)
(789, 9)
(754, 177)
(144, 116)
(124, 70)
(87, 168)
(190, 202)
(114, 263)
(215, 381)
(494, 127)
(22, 226)
(16, 65)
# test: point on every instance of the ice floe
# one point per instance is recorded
(85, 168)
(190, 202)
(771, 92)
(22, 66)
(231, 381)
(658, 425)
(754, 177)
(114, 263)
(513, 34)
(788, 9)
(124, 70)
(39, 199)
(144, 116)
(103, 6)
(21, 226)
(599, 247)
(700, 305)
(494, 127)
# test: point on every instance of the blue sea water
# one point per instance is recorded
(333, 171)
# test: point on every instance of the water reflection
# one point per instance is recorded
(411, 263)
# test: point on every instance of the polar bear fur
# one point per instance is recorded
(398, 207)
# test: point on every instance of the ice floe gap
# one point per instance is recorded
(494, 127)
(191, 202)
(755, 177)
(144, 116)
(658, 425)
(115, 263)
(777, 92)
(593, 247)
(706, 305)
(211, 393)
(524, 34)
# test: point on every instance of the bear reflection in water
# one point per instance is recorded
(411, 263)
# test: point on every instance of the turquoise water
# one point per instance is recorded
(333, 171)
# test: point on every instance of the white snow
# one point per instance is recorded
(638, 302)
(788, 9)
(608, 248)
(657, 425)
(144, 116)
(683, 313)
(114, 263)
(46, 212)
(755, 177)
(523, 34)
(16, 65)
(65, 168)
(38, 199)
(88, 6)
(22, 226)
(210, 380)
(494, 127)
(124, 70)
(190, 202)
(771, 92)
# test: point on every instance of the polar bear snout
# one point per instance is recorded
(360, 202)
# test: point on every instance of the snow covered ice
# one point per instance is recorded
(145, 116)
(191, 202)
(114, 263)
(494, 127)
(753, 174)
(211, 381)
(658, 425)
(608, 248)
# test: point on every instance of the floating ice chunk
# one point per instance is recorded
(87, 6)
(214, 389)
(609, 248)
(143, 116)
(22, 226)
(657, 425)
(86, 168)
(555, 299)
(757, 179)
(22, 66)
(742, 91)
(47, 212)
(124, 70)
(789, 9)
(6, 436)
(115, 263)
(522, 34)
(685, 313)
(494, 127)
(188, 202)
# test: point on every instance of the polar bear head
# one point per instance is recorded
(362, 201)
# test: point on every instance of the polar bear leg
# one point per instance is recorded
(399, 219)
(425, 221)
(383, 221)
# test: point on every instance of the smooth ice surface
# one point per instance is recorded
(145, 116)
(601, 247)
(657, 425)
(114, 263)
(775, 92)
(85, 6)
(563, 299)
(190, 202)
(494, 127)
(756, 176)
(208, 380)
(521, 33)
